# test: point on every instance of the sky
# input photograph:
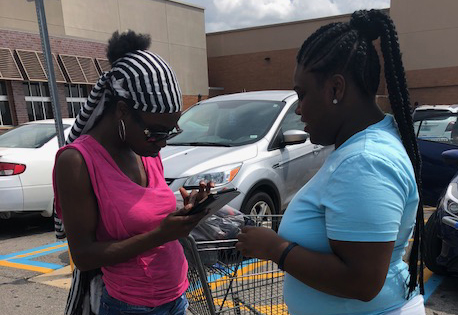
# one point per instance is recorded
(222, 15)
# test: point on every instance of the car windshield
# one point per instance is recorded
(438, 126)
(28, 136)
(226, 123)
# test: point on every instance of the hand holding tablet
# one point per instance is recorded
(214, 201)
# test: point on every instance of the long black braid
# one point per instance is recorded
(348, 47)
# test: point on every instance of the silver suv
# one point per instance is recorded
(251, 141)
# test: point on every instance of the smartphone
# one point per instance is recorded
(215, 201)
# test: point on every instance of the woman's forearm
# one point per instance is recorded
(324, 272)
(328, 273)
(98, 254)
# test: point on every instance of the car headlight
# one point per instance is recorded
(450, 201)
(220, 176)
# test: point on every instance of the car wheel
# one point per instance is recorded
(433, 245)
(260, 208)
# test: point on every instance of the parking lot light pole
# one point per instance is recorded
(43, 27)
(41, 16)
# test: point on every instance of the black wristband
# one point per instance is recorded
(285, 253)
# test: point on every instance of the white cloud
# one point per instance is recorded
(223, 15)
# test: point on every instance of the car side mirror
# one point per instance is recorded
(291, 137)
(450, 157)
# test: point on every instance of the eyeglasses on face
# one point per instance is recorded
(155, 136)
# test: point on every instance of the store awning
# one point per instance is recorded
(57, 70)
(34, 66)
(80, 70)
(8, 67)
(103, 65)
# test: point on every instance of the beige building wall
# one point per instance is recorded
(177, 29)
(261, 57)
(428, 36)
(265, 38)
(21, 15)
(427, 32)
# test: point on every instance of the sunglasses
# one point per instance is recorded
(155, 136)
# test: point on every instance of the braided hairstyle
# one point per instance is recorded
(347, 48)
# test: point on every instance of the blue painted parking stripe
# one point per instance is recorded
(431, 285)
(64, 248)
(3, 257)
(25, 261)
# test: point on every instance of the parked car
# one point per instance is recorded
(250, 141)
(441, 230)
(26, 160)
(437, 131)
(436, 127)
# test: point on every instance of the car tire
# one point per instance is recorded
(260, 207)
(433, 245)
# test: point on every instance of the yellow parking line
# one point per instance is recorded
(25, 267)
(39, 251)
(278, 309)
(240, 272)
(251, 267)
(427, 274)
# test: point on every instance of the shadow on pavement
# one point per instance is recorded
(24, 225)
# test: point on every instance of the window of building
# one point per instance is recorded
(76, 95)
(38, 101)
(5, 113)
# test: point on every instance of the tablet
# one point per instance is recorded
(215, 202)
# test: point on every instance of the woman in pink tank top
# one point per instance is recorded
(119, 214)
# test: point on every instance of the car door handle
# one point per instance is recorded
(317, 149)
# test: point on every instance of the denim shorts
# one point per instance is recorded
(111, 306)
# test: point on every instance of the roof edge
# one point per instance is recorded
(187, 4)
(286, 23)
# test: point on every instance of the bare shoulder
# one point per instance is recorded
(71, 167)
(70, 157)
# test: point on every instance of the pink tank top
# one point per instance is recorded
(126, 209)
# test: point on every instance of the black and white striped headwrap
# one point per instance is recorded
(140, 76)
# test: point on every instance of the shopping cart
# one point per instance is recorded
(222, 281)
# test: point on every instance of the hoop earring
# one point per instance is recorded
(122, 130)
(335, 101)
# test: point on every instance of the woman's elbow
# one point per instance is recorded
(367, 297)
(82, 261)
(81, 264)
(369, 291)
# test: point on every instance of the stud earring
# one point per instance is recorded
(334, 101)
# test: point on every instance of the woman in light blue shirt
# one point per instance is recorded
(342, 238)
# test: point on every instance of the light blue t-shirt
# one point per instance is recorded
(364, 192)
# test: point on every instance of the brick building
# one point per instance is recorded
(263, 57)
(78, 31)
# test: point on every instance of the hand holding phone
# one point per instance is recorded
(197, 194)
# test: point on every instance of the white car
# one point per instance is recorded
(27, 157)
(439, 123)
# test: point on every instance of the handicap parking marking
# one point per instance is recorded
(432, 281)
(23, 259)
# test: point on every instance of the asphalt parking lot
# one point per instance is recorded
(34, 272)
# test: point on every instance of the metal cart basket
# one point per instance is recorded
(222, 281)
